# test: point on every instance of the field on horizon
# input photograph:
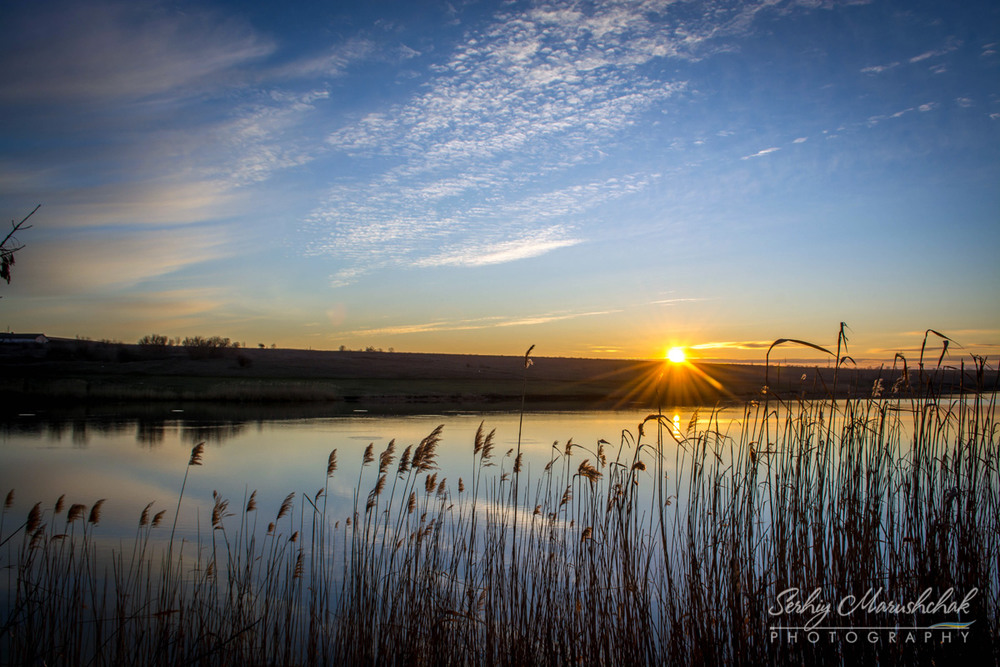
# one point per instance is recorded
(69, 371)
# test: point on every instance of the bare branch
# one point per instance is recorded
(16, 228)
(7, 252)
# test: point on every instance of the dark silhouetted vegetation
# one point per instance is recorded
(10, 246)
(668, 546)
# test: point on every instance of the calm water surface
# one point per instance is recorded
(138, 459)
(131, 462)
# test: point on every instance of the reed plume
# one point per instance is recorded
(95, 512)
(286, 506)
(34, 518)
(404, 461)
(386, 457)
(196, 454)
(76, 511)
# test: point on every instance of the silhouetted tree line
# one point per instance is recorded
(198, 347)
(212, 342)
(155, 340)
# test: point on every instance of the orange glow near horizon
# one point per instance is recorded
(676, 355)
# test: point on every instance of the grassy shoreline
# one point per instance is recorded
(69, 372)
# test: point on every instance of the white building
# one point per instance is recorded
(22, 338)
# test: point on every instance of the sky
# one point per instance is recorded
(605, 179)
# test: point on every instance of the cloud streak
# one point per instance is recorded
(123, 51)
(428, 225)
(734, 345)
(532, 245)
(474, 324)
(174, 133)
(676, 300)
(83, 262)
(761, 153)
(949, 47)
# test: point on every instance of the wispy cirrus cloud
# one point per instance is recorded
(81, 261)
(950, 46)
(511, 116)
(762, 153)
(878, 69)
(519, 109)
(676, 300)
(166, 99)
(174, 175)
(267, 137)
(148, 203)
(477, 323)
(923, 108)
(123, 51)
(953, 45)
(333, 63)
(734, 345)
(533, 244)
(170, 306)
(432, 226)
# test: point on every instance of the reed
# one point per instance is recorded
(666, 547)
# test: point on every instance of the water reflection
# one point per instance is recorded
(132, 460)
(140, 457)
(79, 431)
(147, 432)
(213, 433)
(150, 433)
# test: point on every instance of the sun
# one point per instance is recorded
(676, 355)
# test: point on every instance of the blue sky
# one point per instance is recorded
(598, 179)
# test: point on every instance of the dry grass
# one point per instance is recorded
(664, 548)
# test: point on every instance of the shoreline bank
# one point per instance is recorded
(67, 372)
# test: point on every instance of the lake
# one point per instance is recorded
(133, 461)
(420, 548)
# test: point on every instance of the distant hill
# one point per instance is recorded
(68, 370)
